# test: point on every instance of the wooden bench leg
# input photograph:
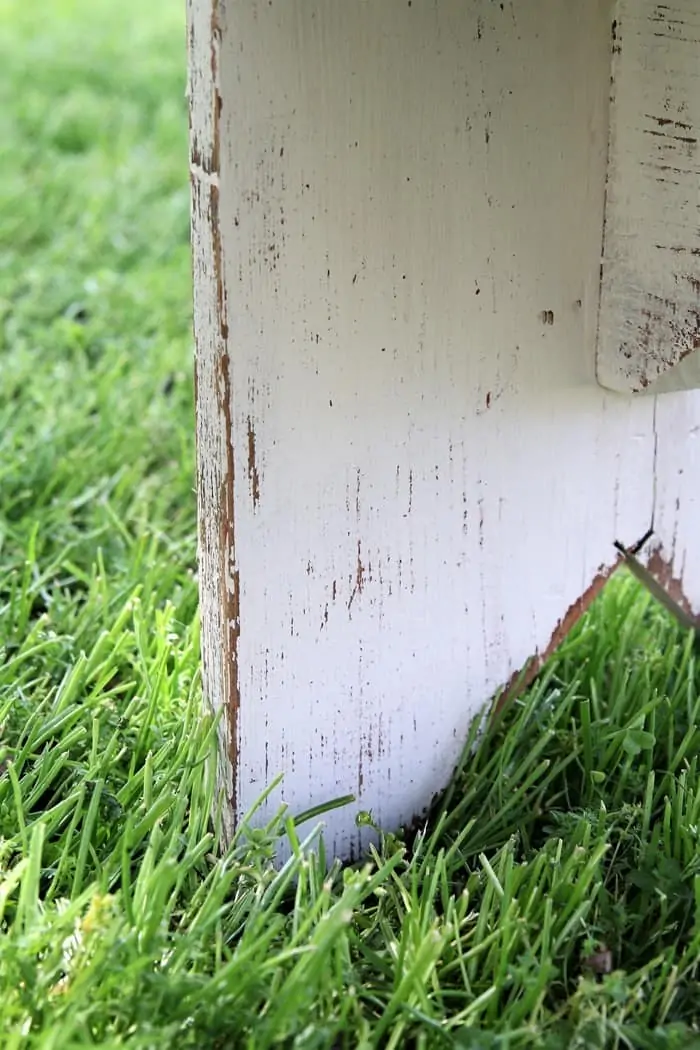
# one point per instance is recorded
(410, 480)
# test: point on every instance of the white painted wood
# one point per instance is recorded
(650, 301)
(410, 481)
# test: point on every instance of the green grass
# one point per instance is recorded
(569, 839)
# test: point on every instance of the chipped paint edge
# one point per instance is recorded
(662, 573)
(525, 675)
(219, 577)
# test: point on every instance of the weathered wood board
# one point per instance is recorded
(410, 480)
(649, 336)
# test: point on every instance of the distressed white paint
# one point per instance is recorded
(650, 302)
(420, 476)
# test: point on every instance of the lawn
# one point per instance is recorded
(552, 900)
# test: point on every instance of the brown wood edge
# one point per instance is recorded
(663, 585)
(209, 164)
(524, 676)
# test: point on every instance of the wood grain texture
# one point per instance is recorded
(408, 474)
(650, 300)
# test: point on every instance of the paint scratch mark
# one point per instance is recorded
(253, 475)
(359, 581)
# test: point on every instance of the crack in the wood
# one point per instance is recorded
(654, 462)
